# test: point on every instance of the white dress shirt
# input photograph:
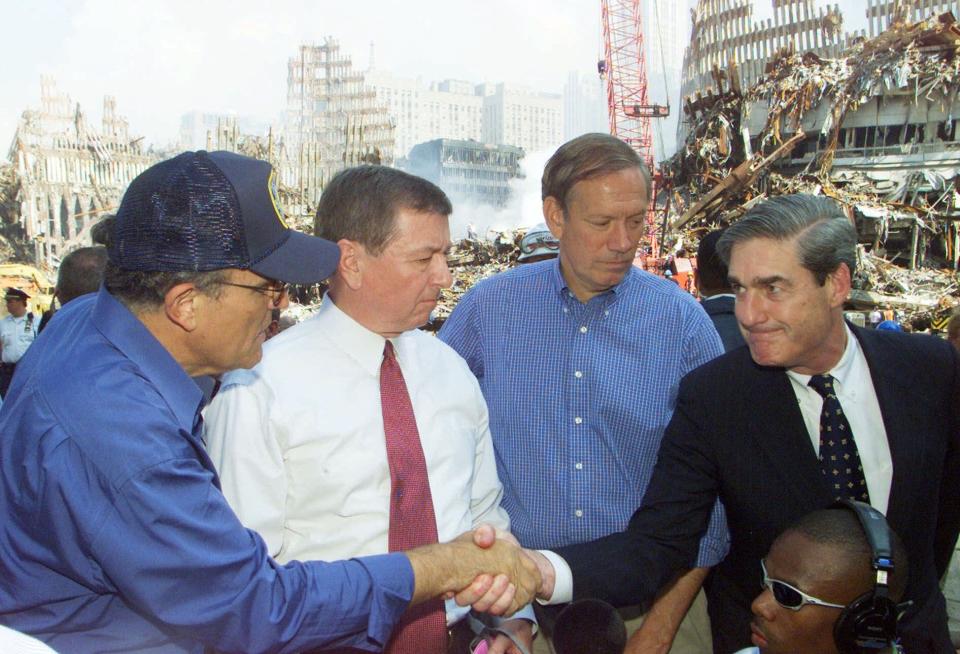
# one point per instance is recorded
(16, 335)
(854, 389)
(299, 444)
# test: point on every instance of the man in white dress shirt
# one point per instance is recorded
(299, 441)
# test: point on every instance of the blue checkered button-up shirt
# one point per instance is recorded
(580, 394)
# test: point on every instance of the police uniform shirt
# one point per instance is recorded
(16, 335)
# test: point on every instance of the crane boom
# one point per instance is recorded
(628, 103)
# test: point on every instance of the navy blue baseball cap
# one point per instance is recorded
(203, 211)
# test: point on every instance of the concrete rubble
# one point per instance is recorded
(874, 128)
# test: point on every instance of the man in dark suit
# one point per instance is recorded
(716, 297)
(750, 427)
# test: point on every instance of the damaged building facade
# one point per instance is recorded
(468, 170)
(66, 173)
(868, 118)
(333, 120)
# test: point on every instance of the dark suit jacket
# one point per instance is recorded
(737, 432)
(720, 310)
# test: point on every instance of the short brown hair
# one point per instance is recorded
(361, 204)
(586, 157)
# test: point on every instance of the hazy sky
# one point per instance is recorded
(164, 58)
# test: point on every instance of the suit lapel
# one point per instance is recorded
(777, 426)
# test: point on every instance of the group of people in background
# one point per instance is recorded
(746, 471)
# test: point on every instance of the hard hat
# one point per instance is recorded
(890, 325)
(538, 242)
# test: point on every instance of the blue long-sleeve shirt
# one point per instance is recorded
(580, 394)
(115, 536)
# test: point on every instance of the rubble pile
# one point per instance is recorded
(471, 260)
(721, 170)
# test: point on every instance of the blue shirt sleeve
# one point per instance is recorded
(176, 551)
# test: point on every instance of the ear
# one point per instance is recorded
(553, 215)
(350, 268)
(841, 281)
(180, 305)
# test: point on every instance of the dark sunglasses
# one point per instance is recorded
(792, 598)
(275, 290)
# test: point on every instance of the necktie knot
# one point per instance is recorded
(822, 384)
(388, 352)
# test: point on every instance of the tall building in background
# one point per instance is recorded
(70, 171)
(468, 170)
(584, 104)
(450, 109)
(514, 115)
(333, 120)
(666, 26)
(198, 129)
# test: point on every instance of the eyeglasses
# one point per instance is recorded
(274, 289)
(792, 598)
(548, 242)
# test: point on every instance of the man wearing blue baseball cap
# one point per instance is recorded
(116, 535)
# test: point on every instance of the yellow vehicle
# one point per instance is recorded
(29, 280)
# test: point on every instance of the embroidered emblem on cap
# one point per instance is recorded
(274, 187)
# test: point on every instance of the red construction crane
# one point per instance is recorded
(624, 67)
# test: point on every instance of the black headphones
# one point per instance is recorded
(869, 623)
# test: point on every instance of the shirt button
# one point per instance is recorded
(566, 310)
(583, 329)
(578, 513)
(578, 374)
(578, 465)
(577, 420)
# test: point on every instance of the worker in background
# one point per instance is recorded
(716, 297)
(17, 333)
(80, 272)
(538, 244)
(579, 358)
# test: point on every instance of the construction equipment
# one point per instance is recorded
(628, 104)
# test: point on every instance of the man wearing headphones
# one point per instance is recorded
(831, 585)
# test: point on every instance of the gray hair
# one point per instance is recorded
(825, 236)
(586, 157)
(142, 291)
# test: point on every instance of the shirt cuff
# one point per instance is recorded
(563, 580)
(392, 584)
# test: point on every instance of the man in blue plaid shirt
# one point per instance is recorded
(579, 359)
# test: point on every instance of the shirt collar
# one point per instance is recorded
(359, 343)
(562, 289)
(844, 368)
(125, 331)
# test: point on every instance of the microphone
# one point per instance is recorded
(589, 626)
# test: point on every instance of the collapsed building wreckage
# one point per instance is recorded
(873, 128)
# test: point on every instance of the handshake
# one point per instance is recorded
(485, 568)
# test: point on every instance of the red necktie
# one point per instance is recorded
(423, 628)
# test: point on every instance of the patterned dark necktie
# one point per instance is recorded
(839, 457)
(423, 628)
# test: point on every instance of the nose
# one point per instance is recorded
(442, 277)
(764, 605)
(622, 238)
(749, 309)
